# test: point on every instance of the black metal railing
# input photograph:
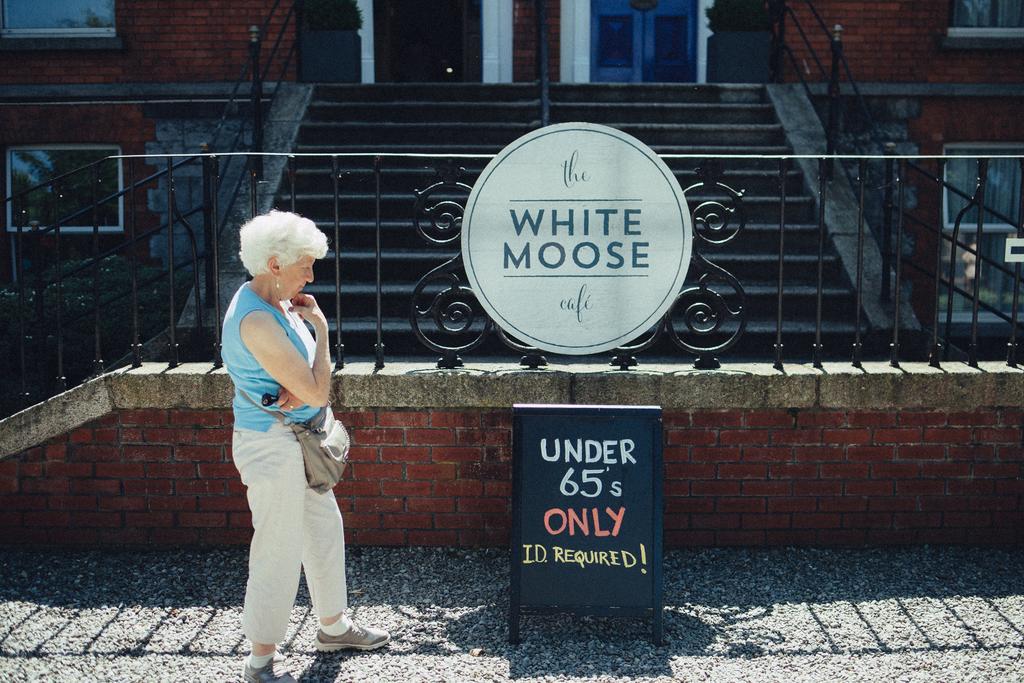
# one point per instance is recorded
(45, 270)
(395, 224)
(781, 12)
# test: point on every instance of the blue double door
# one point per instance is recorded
(657, 43)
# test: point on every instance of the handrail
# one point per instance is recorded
(99, 202)
(229, 107)
(778, 11)
(130, 243)
(253, 69)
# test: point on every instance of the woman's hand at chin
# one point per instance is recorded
(308, 309)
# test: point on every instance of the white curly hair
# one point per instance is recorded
(288, 236)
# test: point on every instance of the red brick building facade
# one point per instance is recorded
(769, 475)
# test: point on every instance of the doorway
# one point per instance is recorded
(643, 40)
(427, 42)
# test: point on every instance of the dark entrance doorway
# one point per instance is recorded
(427, 42)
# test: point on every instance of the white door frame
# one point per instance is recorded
(368, 66)
(574, 50)
(496, 41)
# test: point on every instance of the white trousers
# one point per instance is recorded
(295, 528)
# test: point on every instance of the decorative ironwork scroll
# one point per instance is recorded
(713, 311)
(445, 314)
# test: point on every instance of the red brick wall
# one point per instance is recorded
(443, 478)
(207, 40)
(164, 41)
(899, 41)
(524, 40)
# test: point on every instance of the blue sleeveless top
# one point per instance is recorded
(245, 371)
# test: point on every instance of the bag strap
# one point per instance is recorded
(277, 415)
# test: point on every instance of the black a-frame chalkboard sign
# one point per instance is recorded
(586, 512)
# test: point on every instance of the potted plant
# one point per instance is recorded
(329, 43)
(739, 48)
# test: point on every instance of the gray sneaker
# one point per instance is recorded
(356, 638)
(268, 673)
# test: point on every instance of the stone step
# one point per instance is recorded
(662, 112)
(327, 111)
(438, 92)
(657, 92)
(559, 92)
(456, 132)
(433, 134)
(473, 158)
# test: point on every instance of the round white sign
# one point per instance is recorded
(576, 238)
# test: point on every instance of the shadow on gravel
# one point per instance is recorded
(444, 603)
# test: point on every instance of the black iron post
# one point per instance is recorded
(777, 15)
(1011, 346)
(379, 346)
(822, 171)
(214, 257)
(862, 168)
(300, 18)
(783, 172)
(172, 345)
(887, 203)
(19, 274)
(972, 349)
(291, 182)
(834, 101)
(97, 363)
(935, 355)
(133, 267)
(256, 99)
(894, 346)
(253, 188)
(61, 380)
(542, 61)
(209, 220)
(37, 280)
(339, 351)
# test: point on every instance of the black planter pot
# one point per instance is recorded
(739, 56)
(330, 56)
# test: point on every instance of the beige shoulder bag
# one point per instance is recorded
(325, 444)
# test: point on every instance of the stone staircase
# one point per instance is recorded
(481, 119)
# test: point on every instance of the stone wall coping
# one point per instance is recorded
(412, 385)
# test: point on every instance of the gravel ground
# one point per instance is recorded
(917, 614)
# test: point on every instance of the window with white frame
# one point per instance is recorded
(1000, 220)
(27, 167)
(28, 18)
(987, 18)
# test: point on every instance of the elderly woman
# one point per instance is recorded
(269, 352)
